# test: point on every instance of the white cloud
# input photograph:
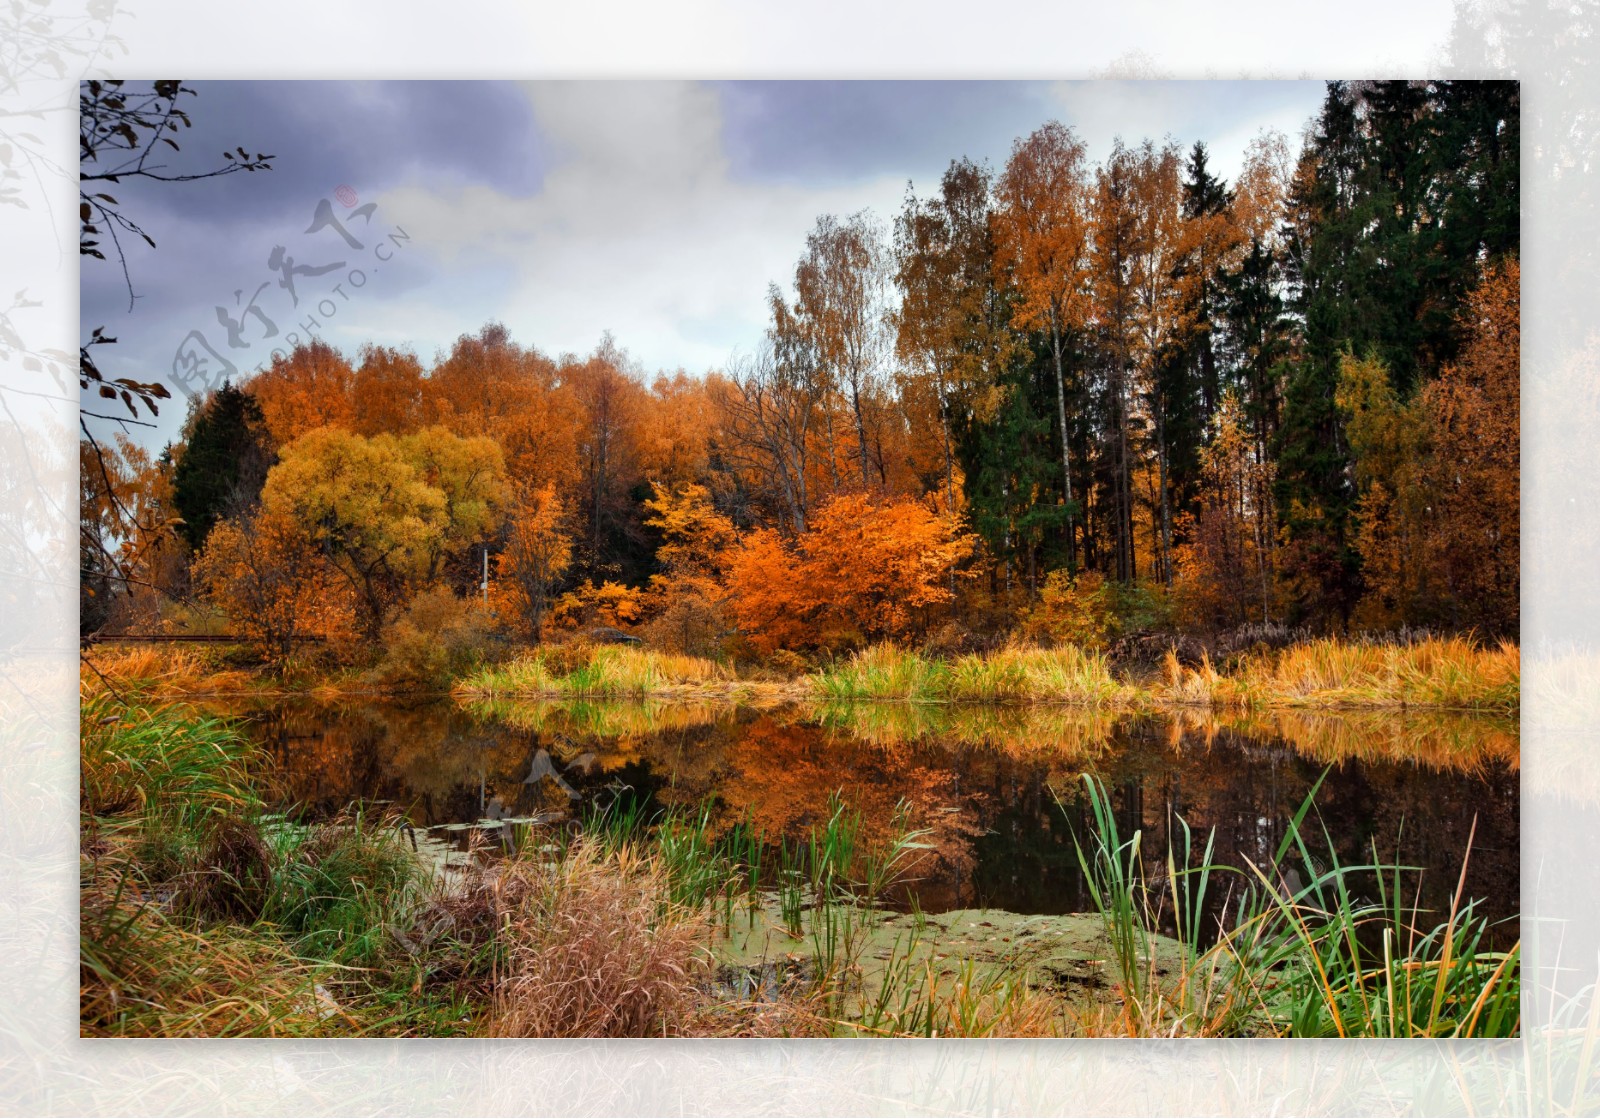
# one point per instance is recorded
(638, 229)
(1226, 115)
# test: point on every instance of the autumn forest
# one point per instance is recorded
(1090, 607)
(1054, 399)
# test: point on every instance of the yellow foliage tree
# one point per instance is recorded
(688, 597)
(1074, 611)
(609, 604)
(470, 475)
(1226, 564)
(385, 510)
(1439, 477)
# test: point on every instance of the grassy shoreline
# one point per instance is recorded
(1443, 674)
(1326, 674)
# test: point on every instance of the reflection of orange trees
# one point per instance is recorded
(686, 740)
(434, 752)
(583, 720)
(1438, 739)
(783, 773)
(333, 754)
(1013, 728)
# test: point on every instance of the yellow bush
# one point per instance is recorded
(1072, 611)
(436, 639)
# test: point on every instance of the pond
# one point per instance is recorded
(984, 782)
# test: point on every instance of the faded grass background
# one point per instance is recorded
(46, 1069)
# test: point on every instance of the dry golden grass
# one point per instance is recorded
(162, 670)
(605, 671)
(1437, 672)
(1064, 675)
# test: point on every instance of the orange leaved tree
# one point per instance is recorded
(537, 553)
(266, 573)
(867, 569)
(1042, 231)
(1475, 473)
(688, 595)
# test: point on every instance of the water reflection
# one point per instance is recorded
(983, 781)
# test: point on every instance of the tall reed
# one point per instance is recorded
(1307, 952)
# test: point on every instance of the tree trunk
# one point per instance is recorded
(949, 484)
(1164, 564)
(1066, 462)
(861, 434)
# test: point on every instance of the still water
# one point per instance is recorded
(984, 782)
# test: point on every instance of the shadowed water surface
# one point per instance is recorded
(984, 781)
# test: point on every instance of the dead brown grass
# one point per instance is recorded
(587, 946)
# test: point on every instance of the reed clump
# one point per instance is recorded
(883, 671)
(591, 945)
(1063, 675)
(1438, 672)
(593, 672)
(1310, 947)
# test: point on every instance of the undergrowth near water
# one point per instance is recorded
(1446, 673)
(1436, 672)
(203, 915)
(1067, 675)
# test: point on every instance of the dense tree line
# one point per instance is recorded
(1289, 398)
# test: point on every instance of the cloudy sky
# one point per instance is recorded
(408, 213)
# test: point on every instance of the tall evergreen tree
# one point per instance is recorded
(1314, 490)
(1254, 339)
(223, 463)
(1014, 487)
(1205, 205)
